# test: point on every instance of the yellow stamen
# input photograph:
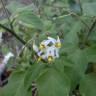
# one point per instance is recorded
(40, 58)
(50, 58)
(58, 44)
(42, 46)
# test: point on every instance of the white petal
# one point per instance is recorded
(44, 56)
(57, 52)
(52, 39)
(35, 48)
(46, 42)
(39, 53)
(58, 39)
(50, 51)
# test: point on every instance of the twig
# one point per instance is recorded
(6, 12)
(79, 2)
(90, 30)
(25, 46)
(13, 33)
(83, 22)
(78, 17)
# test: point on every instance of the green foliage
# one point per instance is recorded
(15, 86)
(28, 19)
(88, 85)
(50, 81)
(89, 9)
(72, 21)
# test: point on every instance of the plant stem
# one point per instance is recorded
(13, 33)
(77, 17)
(90, 29)
(11, 30)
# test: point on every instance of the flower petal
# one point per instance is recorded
(35, 48)
(46, 42)
(52, 40)
(58, 39)
(50, 51)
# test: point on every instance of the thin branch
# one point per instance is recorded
(5, 10)
(11, 30)
(91, 29)
(79, 2)
(7, 14)
(78, 17)
(83, 22)
(13, 33)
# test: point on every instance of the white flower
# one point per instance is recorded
(48, 52)
(4, 62)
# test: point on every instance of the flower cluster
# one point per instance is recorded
(48, 49)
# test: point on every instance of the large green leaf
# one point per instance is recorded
(74, 76)
(88, 85)
(27, 18)
(33, 72)
(60, 63)
(72, 36)
(79, 59)
(25, 15)
(52, 83)
(15, 86)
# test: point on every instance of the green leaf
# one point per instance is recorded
(89, 8)
(27, 18)
(75, 6)
(91, 53)
(52, 83)
(14, 5)
(59, 65)
(72, 37)
(74, 76)
(79, 59)
(88, 85)
(32, 74)
(15, 86)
